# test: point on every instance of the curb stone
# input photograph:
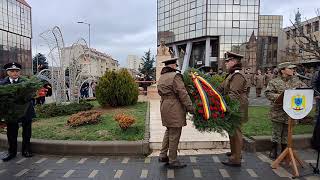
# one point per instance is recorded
(262, 143)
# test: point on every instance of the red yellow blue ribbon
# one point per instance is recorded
(198, 82)
(203, 96)
(221, 100)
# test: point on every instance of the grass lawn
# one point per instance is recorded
(108, 129)
(259, 123)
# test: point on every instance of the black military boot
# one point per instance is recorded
(8, 157)
(176, 165)
(274, 151)
(283, 147)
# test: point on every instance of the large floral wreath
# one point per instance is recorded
(15, 98)
(213, 112)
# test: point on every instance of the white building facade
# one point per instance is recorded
(134, 62)
(92, 62)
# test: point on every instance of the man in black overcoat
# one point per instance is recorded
(13, 72)
(315, 141)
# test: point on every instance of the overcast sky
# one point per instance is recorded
(123, 27)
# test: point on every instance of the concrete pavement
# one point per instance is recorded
(190, 137)
(201, 165)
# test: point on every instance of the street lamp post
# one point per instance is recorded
(89, 25)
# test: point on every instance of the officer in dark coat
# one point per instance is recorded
(315, 141)
(13, 72)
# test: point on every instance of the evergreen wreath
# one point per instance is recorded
(15, 98)
(219, 121)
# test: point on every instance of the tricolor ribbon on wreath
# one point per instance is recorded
(211, 100)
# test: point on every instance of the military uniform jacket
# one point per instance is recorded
(175, 101)
(235, 86)
(274, 89)
(267, 78)
(30, 113)
(249, 79)
(259, 81)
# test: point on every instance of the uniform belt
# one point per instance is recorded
(168, 97)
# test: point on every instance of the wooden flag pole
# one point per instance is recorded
(288, 153)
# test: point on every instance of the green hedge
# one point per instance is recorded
(117, 88)
(53, 110)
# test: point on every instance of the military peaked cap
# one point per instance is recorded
(231, 55)
(170, 61)
(286, 65)
(12, 66)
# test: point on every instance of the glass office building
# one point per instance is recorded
(201, 31)
(15, 34)
(268, 53)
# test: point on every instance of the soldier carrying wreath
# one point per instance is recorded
(17, 109)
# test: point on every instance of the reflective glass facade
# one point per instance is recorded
(233, 21)
(15, 34)
(181, 19)
(223, 25)
(268, 40)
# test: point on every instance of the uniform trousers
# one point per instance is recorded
(236, 143)
(279, 133)
(248, 91)
(170, 143)
(12, 135)
(258, 92)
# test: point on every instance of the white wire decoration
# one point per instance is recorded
(55, 75)
(78, 75)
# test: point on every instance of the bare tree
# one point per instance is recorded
(304, 38)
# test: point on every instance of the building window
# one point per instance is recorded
(288, 34)
(274, 53)
(235, 24)
(316, 26)
(294, 32)
(308, 28)
(301, 31)
(236, 1)
(192, 5)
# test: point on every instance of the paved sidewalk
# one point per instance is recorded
(200, 165)
(258, 101)
(190, 137)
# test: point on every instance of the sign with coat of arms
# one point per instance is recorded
(298, 103)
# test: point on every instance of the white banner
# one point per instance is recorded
(298, 103)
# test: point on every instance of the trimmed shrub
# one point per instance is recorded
(124, 121)
(53, 110)
(84, 118)
(117, 89)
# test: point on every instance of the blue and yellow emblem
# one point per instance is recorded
(298, 102)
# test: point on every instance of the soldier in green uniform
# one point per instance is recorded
(285, 80)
